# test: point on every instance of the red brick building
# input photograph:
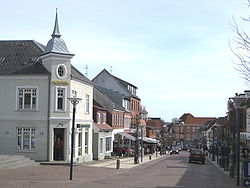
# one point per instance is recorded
(186, 130)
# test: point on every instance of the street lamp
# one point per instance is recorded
(136, 156)
(74, 101)
(142, 149)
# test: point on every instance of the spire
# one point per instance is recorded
(56, 32)
(56, 44)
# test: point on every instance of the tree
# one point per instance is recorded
(242, 49)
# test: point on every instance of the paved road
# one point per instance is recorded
(168, 172)
(164, 172)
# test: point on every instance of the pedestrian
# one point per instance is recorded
(58, 149)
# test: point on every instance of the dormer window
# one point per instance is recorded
(61, 71)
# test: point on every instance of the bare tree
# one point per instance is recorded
(241, 49)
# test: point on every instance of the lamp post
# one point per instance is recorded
(136, 156)
(213, 149)
(142, 149)
(74, 102)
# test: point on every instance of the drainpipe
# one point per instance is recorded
(48, 120)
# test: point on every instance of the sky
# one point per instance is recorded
(176, 52)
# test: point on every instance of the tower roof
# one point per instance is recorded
(56, 32)
(56, 44)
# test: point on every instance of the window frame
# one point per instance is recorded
(104, 119)
(98, 117)
(79, 143)
(86, 140)
(64, 69)
(18, 88)
(20, 132)
(87, 104)
(64, 109)
(108, 147)
(101, 145)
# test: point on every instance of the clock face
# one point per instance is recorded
(61, 71)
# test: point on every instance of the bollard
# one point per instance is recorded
(149, 157)
(117, 163)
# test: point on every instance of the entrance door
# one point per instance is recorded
(58, 144)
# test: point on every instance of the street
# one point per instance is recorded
(169, 171)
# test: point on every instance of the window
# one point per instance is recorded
(60, 101)
(108, 144)
(101, 145)
(87, 104)
(193, 129)
(61, 71)
(79, 141)
(181, 130)
(86, 140)
(98, 117)
(104, 118)
(27, 98)
(26, 138)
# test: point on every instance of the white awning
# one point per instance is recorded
(150, 140)
(128, 136)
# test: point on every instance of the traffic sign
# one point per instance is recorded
(246, 167)
(247, 183)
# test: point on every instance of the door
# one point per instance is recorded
(58, 144)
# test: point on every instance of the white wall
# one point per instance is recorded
(11, 119)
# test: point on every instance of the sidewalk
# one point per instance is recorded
(215, 164)
(41, 176)
(125, 163)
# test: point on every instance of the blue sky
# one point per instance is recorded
(176, 52)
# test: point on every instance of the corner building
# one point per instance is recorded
(36, 82)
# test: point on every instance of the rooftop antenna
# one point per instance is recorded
(111, 69)
(86, 70)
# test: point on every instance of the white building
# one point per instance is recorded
(35, 84)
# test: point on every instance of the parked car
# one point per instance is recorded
(197, 155)
(174, 151)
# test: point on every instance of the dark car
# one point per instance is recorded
(197, 155)
(174, 151)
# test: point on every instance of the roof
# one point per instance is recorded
(104, 127)
(115, 97)
(21, 57)
(76, 74)
(208, 125)
(102, 78)
(191, 120)
(56, 44)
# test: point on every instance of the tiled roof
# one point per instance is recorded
(123, 84)
(21, 57)
(104, 127)
(79, 76)
(191, 120)
(116, 97)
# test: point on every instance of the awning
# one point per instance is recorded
(150, 140)
(128, 136)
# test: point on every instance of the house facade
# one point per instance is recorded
(36, 82)
(187, 130)
(102, 131)
(130, 101)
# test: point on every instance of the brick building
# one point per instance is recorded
(186, 129)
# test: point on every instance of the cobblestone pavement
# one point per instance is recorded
(174, 171)
(58, 175)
